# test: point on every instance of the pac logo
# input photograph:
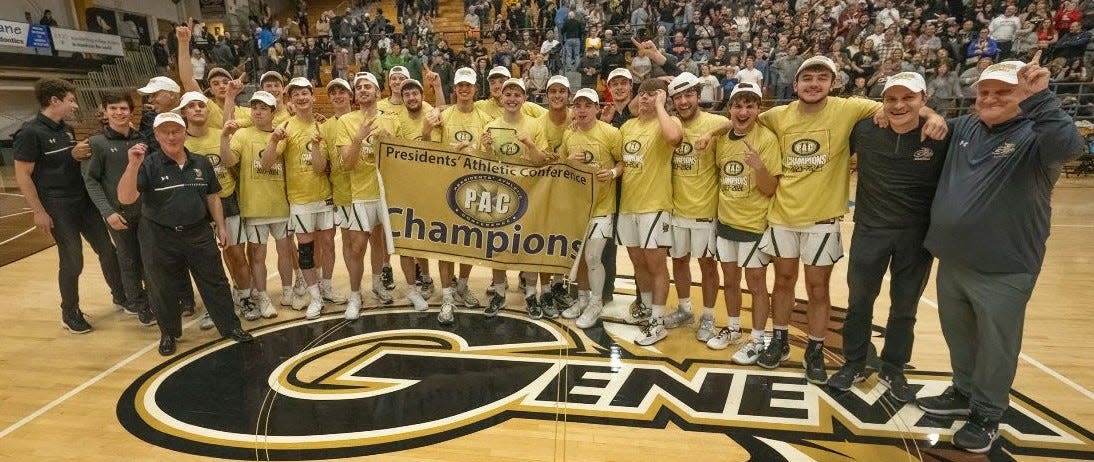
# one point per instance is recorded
(632, 146)
(464, 136)
(733, 168)
(509, 149)
(683, 149)
(489, 201)
(805, 147)
(587, 157)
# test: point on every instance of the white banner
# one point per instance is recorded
(14, 34)
(87, 42)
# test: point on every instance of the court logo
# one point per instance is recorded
(489, 201)
(805, 147)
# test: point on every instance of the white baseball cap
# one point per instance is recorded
(264, 97)
(620, 72)
(340, 82)
(818, 60)
(271, 75)
(682, 82)
(746, 87)
(517, 82)
(398, 70)
(465, 75)
(413, 83)
(299, 82)
(910, 80)
(365, 76)
(190, 97)
(587, 93)
(168, 117)
(219, 71)
(559, 79)
(160, 83)
(1006, 72)
(499, 70)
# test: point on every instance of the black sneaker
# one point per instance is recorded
(532, 305)
(167, 345)
(950, 403)
(562, 297)
(814, 363)
(777, 351)
(146, 316)
(548, 305)
(497, 303)
(74, 321)
(977, 435)
(894, 379)
(387, 278)
(847, 376)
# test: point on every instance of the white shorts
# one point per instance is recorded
(744, 254)
(645, 230)
(237, 234)
(599, 228)
(360, 216)
(815, 245)
(692, 237)
(258, 229)
(310, 217)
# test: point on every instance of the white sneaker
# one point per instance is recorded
(617, 312)
(575, 310)
(724, 339)
(748, 354)
(206, 322)
(706, 330)
(653, 332)
(329, 295)
(301, 301)
(353, 306)
(286, 297)
(466, 299)
(300, 286)
(590, 315)
(315, 308)
(267, 308)
(414, 296)
(682, 316)
(382, 295)
(427, 289)
(448, 313)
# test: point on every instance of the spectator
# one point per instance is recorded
(537, 77)
(1066, 15)
(1074, 72)
(750, 73)
(1047, 36)
(590, 68)
(572, 31)
(944, 91)
(1073, 43)
(785, 66)
(983, 47)
(197, 60)
(1004, 29)
(47, 19)
(971, 75)
(159, 52)
(711, 90)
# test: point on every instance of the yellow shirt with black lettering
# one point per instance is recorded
(694, 174)
(506, 145)
(460, 127)
(303, 184)
(331, 129)
(261, 191)
(208, 145)
(601, 147)
(815, 152)
(552, 132)
(494, 110)
(741, 205)
(647, 174)
(363, 177)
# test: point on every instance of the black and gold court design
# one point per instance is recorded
(395, 380)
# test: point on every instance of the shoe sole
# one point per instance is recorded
(636, 342)
(979, 450)
(785, 357)
(946, 412)
(680, 324)
(333, 301)
(74, 331)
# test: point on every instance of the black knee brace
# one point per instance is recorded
(306, 252)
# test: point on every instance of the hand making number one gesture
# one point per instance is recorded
(1032, 78)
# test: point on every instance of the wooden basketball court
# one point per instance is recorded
(396, 386)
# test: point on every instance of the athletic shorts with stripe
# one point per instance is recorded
(692, 237)
(260, 229)
(599, 228)
(817, 245)
(645, 230)
(359, 216)
(311, 217)
(237, 233)
(744, 254)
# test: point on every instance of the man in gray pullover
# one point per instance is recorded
(989, 224)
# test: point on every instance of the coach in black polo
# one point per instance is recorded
(179, 195)
(49, 177)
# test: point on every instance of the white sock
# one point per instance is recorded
(647, 298)
(313, 290)
(758, 335)
(816, 339)
(734, 322)
(244, 293)
(499, 289)
(708, 312)
(286, 288)
(685, 303)
(447, 294)
(658, 311)
(325, 283)
(583, 296)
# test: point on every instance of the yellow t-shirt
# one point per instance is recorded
(209, 146)
(694, 175)
(741, 205)
(331, 129)
(387, 107)
(647, 174)
(363, 178)
(602, 146)
(407, 127)
(460, 127)
(303, 184)
(242, 116)
(554, 133)
(494, 110)
(816, 153)
(261, 191)
(214, 117)
(506, 146)
(281, 115)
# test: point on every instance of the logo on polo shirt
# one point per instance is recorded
(923, 154)
(1003, 151)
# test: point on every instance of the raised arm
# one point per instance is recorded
(127, 186)
(186, 68)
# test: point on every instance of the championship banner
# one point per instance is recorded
(451, 206)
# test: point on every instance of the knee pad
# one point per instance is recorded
(306, 252)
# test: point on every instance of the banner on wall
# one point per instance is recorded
(212, 7)
(87, 42)
(14, 34)
(38, 37)
(447, 205)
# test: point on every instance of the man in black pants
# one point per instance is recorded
(179, 193)
(621, 86)
(898, 169)
(48, 174)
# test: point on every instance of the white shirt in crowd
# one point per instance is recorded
(753, 76)
(1002, 28)
(888, 16)
(710, 84)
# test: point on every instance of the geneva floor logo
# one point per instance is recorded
(393, 380)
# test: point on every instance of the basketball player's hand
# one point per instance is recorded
(319, 118)
(116, 221)
(365, 129)
(279, 133)
(608, 113)
(234, 87)
(222, 237)
(881, 119)
(43, 222)
(661, 98)
(524, 138)
(433, 118)
(1032, 78)
(703, 141)
(81, 151)
(487, 140)
(752, 157)
(183, 33)
(605, 174)
(230, 127)
(136, 153)
(462, 145)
